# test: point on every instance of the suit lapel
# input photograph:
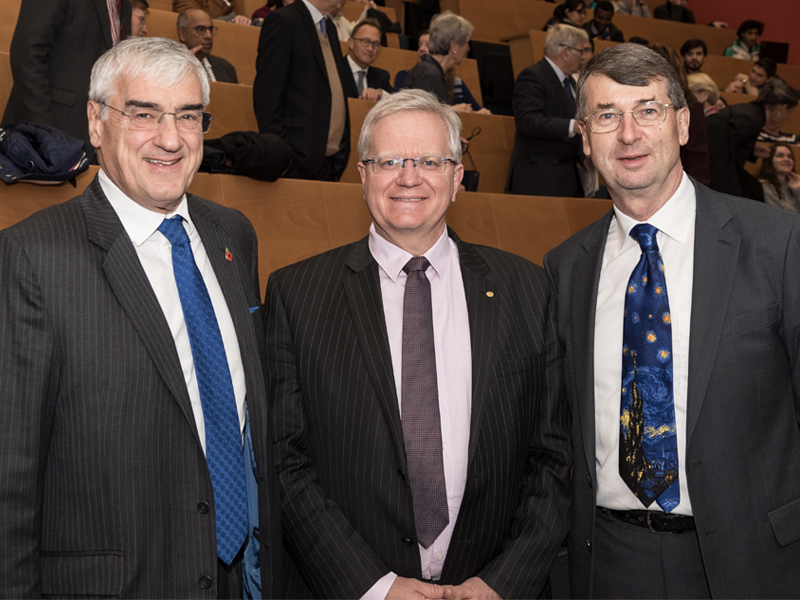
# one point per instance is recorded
(134, 292)
(105, 21)
(363, 291)
(313, 35)
(558, 86)
(716, 251)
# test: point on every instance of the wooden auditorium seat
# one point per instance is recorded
(8, 23)
(6, 81)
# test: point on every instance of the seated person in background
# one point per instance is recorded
(761, 73)
(674, 10)
(261, 13)
(364, 43)
(196, 32)
(570, 12)
(139, 11)
(705, 90)
(458, 94)
(778, 178)
(746, 45)
(344, 27)
(694, 54)
(224, 10)
(636, 8)
(601, 27)
(776, 116)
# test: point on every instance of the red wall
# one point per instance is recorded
(781, 17)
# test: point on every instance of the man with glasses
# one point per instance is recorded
(196, 32)
(547, 147)
(680, 313)
(415, 381)
(130, 371)
(365, 43)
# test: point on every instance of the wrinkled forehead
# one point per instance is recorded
(600, 92)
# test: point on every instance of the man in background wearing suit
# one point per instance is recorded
(196, 32)
(547, 147)
(299, 90)
(680, 314)
(131, 364)
(365, 43)
(415, 382)
(52, 52)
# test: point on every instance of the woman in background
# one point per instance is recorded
(781, 183)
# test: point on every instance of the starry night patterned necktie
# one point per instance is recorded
(648, 450)
(223, 437)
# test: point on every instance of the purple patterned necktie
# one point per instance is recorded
(422, 430)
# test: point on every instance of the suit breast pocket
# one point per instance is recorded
(751, 320)
(82, 574)
(786, 522)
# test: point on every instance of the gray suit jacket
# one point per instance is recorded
(223, 70)
(105, 486)
(348, 516)
(743, 437)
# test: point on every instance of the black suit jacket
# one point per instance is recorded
(106, 489)
(743, 436)
(348, 516)
(543, 162)
(55, 45)
(223, 70)
(291, 93)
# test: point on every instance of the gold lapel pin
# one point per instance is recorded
(490, 294)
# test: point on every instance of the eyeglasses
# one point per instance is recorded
(201, 29)
(367, 43)
(578, 50)
(392, 164)
(646, 114)
(148, 119)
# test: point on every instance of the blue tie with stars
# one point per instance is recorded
(223, 437)
(648, 450)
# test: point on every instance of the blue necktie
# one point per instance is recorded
(568, 90)
(323, 26)
(223, 437)
(648, 450)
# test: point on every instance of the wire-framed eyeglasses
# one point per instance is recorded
(393, 164)
(149, 119)
(367, 43)
(645, 114)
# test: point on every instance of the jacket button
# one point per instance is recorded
(407, 541)
(202, 508)
(589, 477)
(205, 582)
(589, 545)
(402, 475)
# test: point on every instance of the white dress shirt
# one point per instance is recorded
(453, 372)
(155, 254)
(675, 222)
(316, 15)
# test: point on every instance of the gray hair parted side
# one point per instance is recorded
(448, 27)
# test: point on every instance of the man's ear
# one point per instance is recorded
(95, 123)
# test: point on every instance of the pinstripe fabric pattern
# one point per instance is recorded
(348, 516)
(101, 470)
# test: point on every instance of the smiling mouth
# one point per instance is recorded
(408, 199)
(161, 163)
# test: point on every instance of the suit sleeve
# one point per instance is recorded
(334, 560)
(523, 568)
(790, 331)
(530, 102)
(28, 385)
(273, 64)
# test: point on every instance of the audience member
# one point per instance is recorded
(746, 45)
(705, 90)
(449, 44)
(196, 32)
(776, 116)
(547, 147)
(226, 10)
(298, 91)
(694, 54)
(636, 8)
(684, 423)
(569, 12)
(261, 13)
(365, 43)
(51, 55)
(601, 27)
(780, 181)
(344, 27)
(674, 10)
(139, 11)
(367, 341)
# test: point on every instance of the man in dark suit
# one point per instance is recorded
(52, 52)
(723, 393)
(131, 365)
(370, 82)
(358, 405)
(299, 90)
(196, 32)
(547, 147)
(600, 26)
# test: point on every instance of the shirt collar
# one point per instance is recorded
(139, 222)
(559, 73)
(316, 16)
(392, 258)
(353, 66)
(674, 219)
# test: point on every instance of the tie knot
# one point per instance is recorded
(645, 234)
(173, 230)
(417, 263)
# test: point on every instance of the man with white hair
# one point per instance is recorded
(130, 371)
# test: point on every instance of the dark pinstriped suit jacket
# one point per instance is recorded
(348, 517)
(102, 476)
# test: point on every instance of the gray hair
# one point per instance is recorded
(448, 27)
(563, 35)
(630, 64)
(409, 100)
(158, 59)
